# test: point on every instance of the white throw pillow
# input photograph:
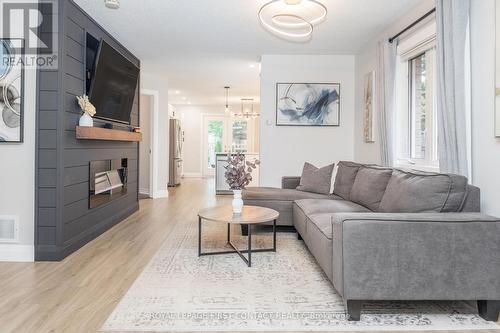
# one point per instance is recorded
(334, 175)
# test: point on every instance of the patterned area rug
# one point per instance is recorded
(282, 291)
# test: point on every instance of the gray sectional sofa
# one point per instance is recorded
(391, 234)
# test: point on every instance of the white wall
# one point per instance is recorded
(485, 147)
(17, 179)
(159, 83)
(284, 149)
(366, 62)
(191, 117)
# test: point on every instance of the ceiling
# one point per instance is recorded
(203, 45)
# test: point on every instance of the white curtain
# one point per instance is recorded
(453, 86)
(386, 75)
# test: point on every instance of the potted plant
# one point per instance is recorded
(238, 175)
(88, 111)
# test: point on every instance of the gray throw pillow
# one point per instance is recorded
(369, 186)
(316, 180)
(344, 180)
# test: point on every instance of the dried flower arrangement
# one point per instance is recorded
(85, 105)
(238, 172)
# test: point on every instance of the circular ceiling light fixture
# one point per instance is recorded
(293, 19)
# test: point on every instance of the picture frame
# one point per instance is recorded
(11, 91)
(308, 104)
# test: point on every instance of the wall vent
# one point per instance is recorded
(9, 229)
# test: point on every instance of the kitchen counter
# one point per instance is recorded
(217, 154)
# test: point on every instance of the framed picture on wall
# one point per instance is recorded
(368, 106)
(307, 104)
(11, 91)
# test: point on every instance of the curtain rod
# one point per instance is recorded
(412, 25)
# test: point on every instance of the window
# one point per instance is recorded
(422, 125)
(416, 132)
(240, 136)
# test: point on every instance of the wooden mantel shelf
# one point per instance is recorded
(97, 133)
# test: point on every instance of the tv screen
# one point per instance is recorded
(113, 85)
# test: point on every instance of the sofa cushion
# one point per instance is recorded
(283, 207)
(316, 180)
(344, 180)
(299, 220)
(323, 223)
(418, 192)
(319, 241)
(369, 186)
(273, 193)
(315, 206)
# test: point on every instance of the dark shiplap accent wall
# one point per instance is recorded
(64, 222)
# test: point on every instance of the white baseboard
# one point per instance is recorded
(17, 252)
(191, 175)
(144, 191)
(160, 194)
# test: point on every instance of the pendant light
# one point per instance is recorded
(247, 109)
(227, 97)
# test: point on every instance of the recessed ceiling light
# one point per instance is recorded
(177, 92)
(189, 103)
(112, 4)
(251, 66)
(184, 98)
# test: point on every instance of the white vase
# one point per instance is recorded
(237, 202)
(86, 120)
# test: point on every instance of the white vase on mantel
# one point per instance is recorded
(86, 120)
(237, 202)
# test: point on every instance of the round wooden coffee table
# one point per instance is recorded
(249, 216)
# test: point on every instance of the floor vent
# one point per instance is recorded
(9, 229)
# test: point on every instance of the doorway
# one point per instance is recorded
(214, 137)
(223, 134)
(146, 104)
(148, 164)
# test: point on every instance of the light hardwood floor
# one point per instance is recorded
(79, 293)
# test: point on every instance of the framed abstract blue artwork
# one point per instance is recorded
(307, 104)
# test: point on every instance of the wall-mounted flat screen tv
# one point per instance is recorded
(113, 85)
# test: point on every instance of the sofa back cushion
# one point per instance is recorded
(316, 180)
(369, 186)
(418, 192)
(472, 201)
(346, 174)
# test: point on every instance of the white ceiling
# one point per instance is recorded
(203, 45)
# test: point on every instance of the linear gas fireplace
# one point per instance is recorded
(108, 181)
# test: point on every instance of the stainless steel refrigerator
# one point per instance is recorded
(175, 152)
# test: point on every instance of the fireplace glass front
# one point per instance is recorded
(108, 181)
